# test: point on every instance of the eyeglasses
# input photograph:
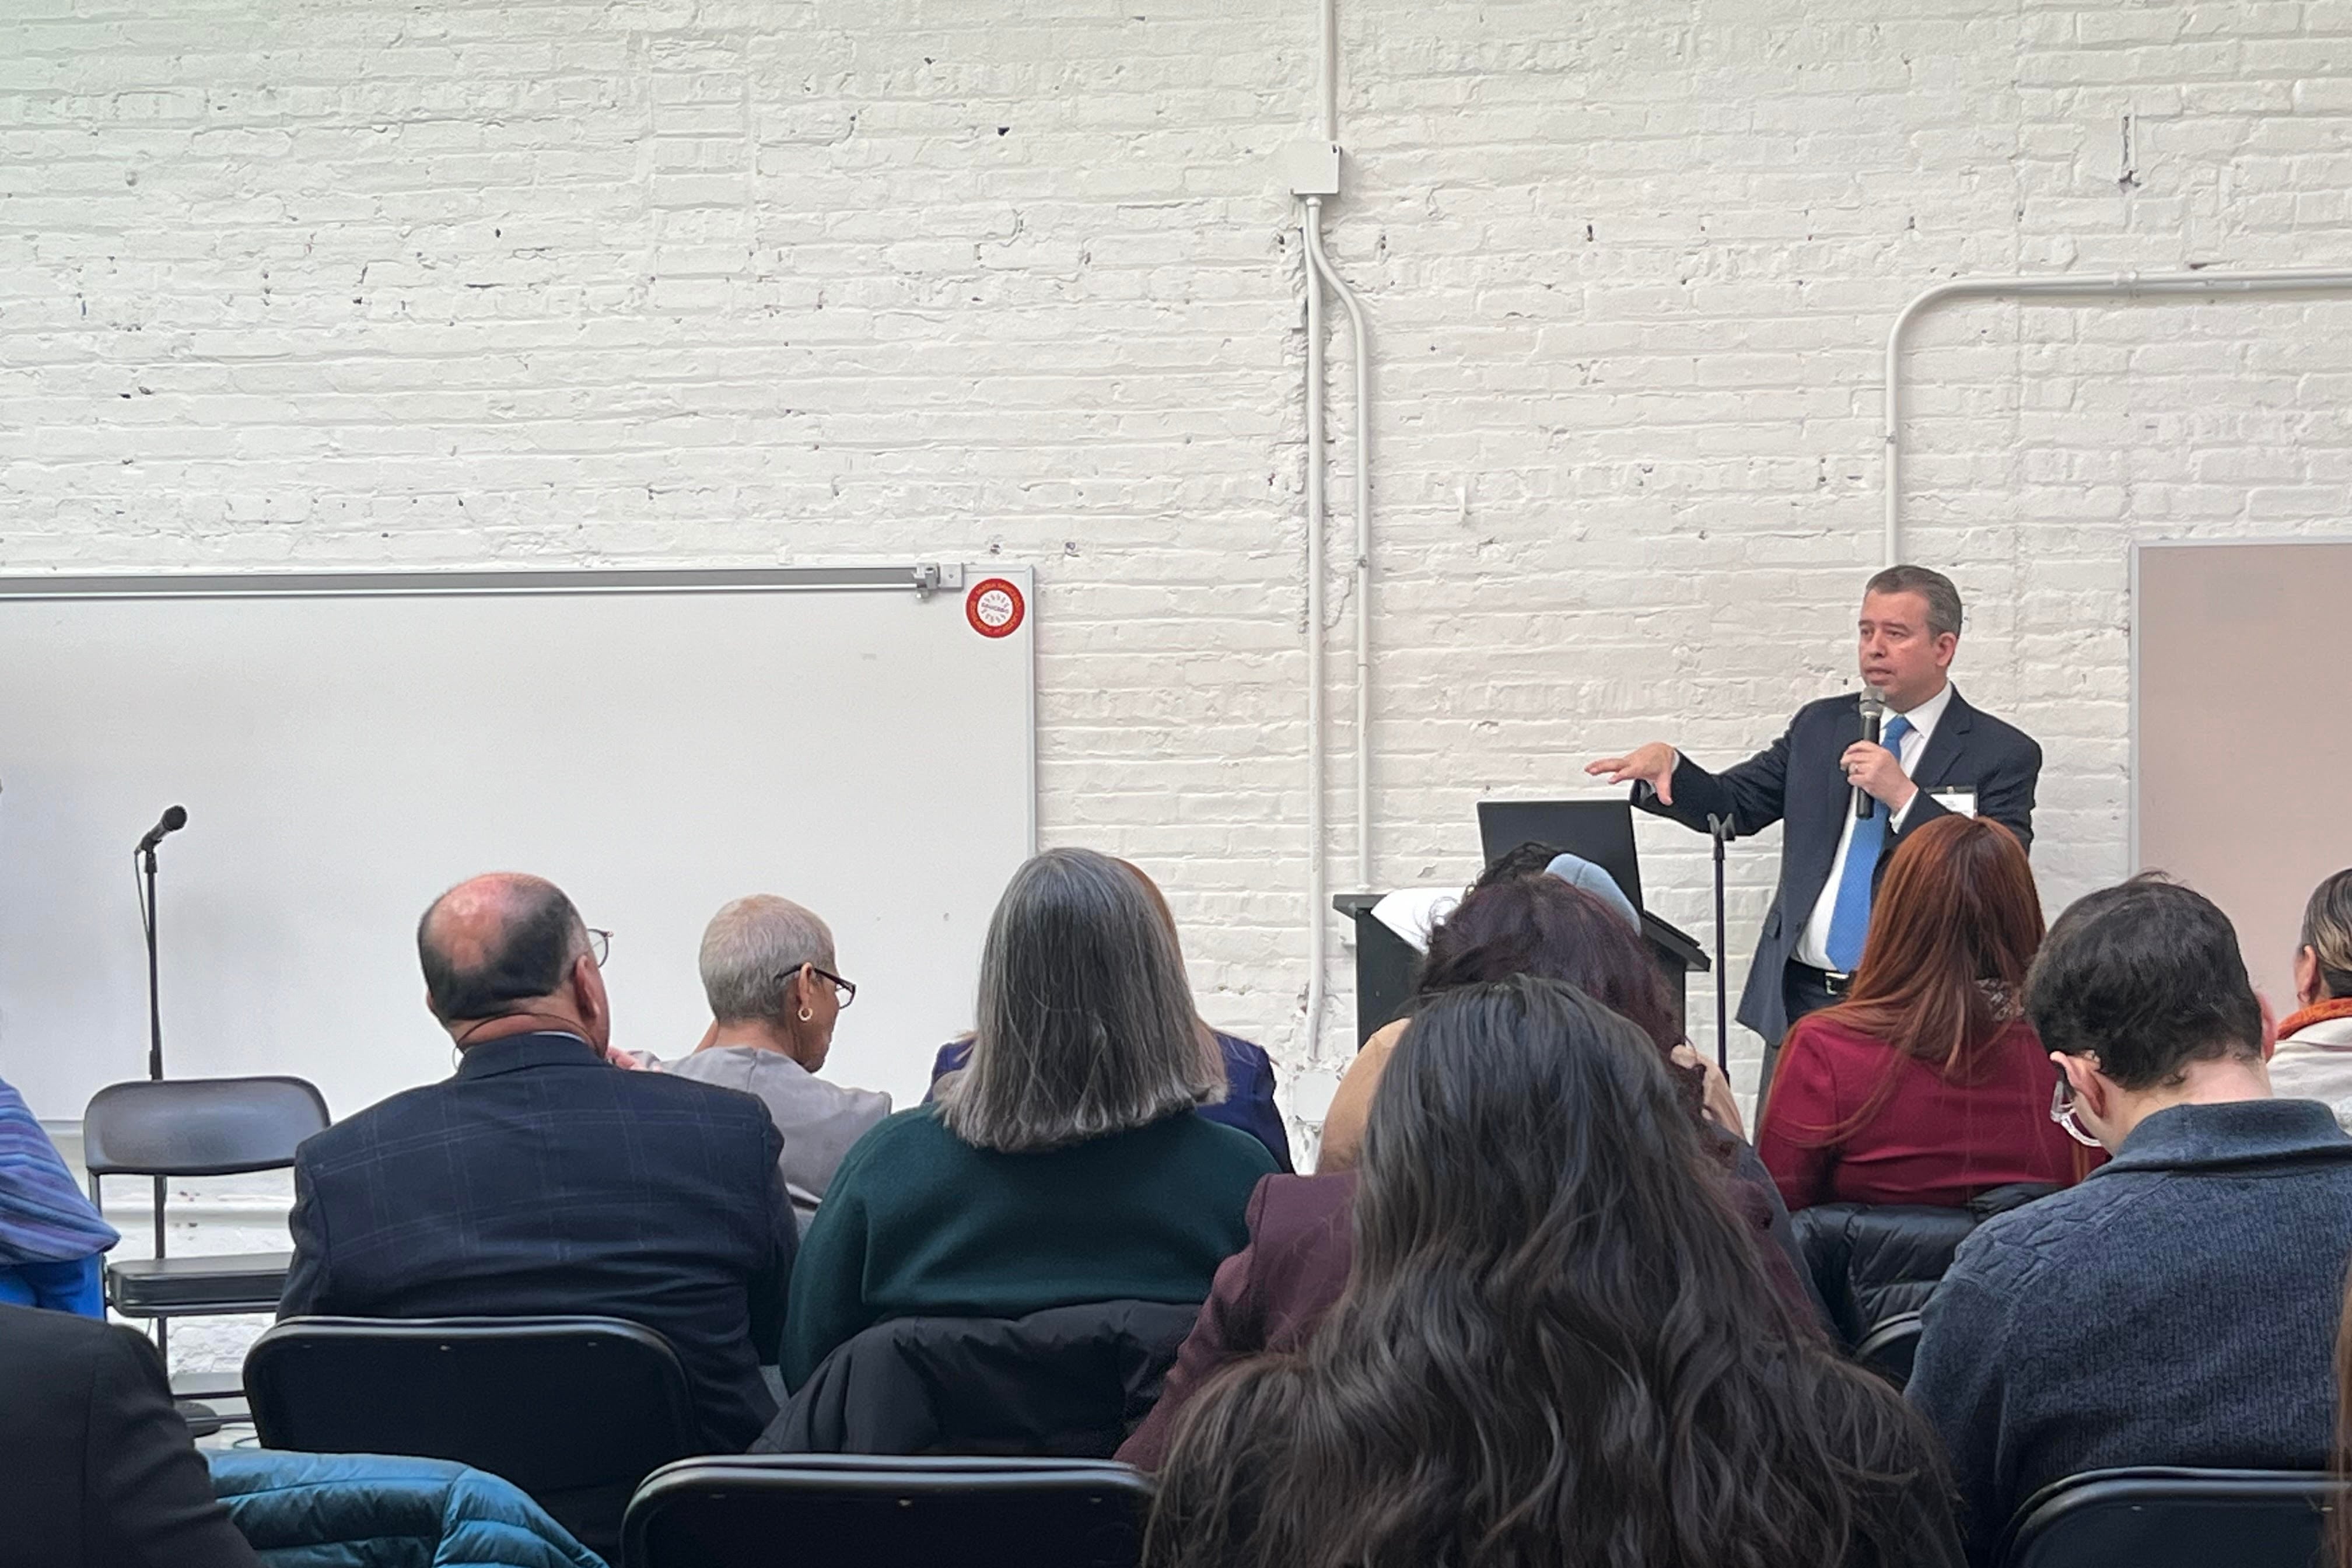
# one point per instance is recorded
(843, 991)
(600, 944)
(2061, 1111)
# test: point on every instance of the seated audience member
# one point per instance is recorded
(2179, 1306)
(97, 1467)
(1925, 1084)
(542, 1180)
(1500, 953)
(769, 969)
(1556, 1344)
(2314, 1058)
(1273, 1293)
(1248, 1100)
(1064, 1164)
(52, 1241)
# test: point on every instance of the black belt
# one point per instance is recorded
(1830, 980)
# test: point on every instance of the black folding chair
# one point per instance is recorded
(839, 1510)
(574, 1411)
(1891, 1347)
(2175, 1518)
(195, 1127)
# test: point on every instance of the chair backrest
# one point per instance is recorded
(575, 1411)
(1890, 1348)
(2175, 1519)
(198, 1126)
(1871, 1262)
(1068, 1381)
(826, 1511)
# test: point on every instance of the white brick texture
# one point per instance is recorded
(478, 282)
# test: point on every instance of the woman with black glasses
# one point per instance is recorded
(775, 991)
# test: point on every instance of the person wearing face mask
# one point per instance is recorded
(1937, 756)
(2179, 1306)
(531, 1181)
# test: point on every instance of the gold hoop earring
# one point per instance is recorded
(807, 1015)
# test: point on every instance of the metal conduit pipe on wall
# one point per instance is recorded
(2062, 285)
(1320, 275)
(1318, 891)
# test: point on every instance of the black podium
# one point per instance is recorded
(1384, 963)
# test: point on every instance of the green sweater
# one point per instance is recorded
(918, 1223)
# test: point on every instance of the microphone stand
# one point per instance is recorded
(146, 859)
(154, 993)
(1719, 830)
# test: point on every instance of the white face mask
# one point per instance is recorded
(2061, 1111)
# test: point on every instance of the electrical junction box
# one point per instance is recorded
(1309, 168)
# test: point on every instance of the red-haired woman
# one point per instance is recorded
(1925, 1085)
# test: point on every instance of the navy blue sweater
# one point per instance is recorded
(2177, 1308)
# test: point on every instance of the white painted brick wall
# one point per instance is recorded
(473, 282)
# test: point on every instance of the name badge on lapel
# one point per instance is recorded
(1960, 802)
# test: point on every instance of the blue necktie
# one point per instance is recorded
(1850, 916)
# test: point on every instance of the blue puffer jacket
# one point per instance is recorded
(372, 1510)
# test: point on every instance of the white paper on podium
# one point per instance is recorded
(1411, 912)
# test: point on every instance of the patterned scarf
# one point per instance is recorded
(44, 1218)
(2317, 1012)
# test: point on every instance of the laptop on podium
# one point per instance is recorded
(1602, 831)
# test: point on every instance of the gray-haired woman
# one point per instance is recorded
(776, 991)
(1062, 1165)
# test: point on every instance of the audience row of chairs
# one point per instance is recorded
(590, 1416)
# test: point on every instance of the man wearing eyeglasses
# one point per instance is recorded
(2179, 1306)
(768, 967)
(540, 1179)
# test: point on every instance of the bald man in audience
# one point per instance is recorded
(540, 1179)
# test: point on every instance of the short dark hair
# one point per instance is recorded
(2147, 977)
(1943, 599)
(534, 948)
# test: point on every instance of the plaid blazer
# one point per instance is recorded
(540, 1179)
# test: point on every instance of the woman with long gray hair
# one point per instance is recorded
(1558, 1345)
(1062, 1165)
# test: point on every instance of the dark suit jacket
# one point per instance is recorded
(95, 1464)
(1796, 781)
(542, 1180)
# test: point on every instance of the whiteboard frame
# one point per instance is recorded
(924, 579)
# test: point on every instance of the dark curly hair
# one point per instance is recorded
(1558, 1345)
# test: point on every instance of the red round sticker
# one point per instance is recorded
(994, 607)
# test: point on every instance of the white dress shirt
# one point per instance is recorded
(1813, 947)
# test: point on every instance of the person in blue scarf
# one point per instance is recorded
(52, 1240)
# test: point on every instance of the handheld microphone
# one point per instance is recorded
(1874, 708)
(174, 819)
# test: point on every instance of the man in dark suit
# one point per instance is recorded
(1937, 756)
(96, 1466)
(543, 1179)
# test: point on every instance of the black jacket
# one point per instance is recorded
(95, 1464)
(1796, 780)
(540, 1179)
(1066, 1382)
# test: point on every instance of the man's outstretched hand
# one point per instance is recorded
(1652, 764)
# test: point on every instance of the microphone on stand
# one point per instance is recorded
(1874, 708)
(174, 818)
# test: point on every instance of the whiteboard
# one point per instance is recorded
(2242, 778)
(347, 747)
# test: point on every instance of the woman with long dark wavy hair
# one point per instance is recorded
(1272, 1293)
(1925, 1084)
(1556, 1346)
